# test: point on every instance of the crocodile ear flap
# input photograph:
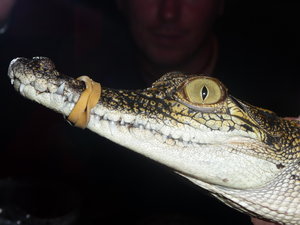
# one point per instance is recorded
(202, 91)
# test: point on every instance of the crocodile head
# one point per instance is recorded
(187, 122)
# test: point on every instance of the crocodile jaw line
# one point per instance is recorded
(209, 156)
(211, 163)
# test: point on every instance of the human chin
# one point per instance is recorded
(165, 57)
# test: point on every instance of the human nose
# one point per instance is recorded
(169, 10)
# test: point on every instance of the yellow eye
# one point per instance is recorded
(203, 91)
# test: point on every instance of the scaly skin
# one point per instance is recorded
(246, 156)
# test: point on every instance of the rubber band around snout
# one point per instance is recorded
(80, 115)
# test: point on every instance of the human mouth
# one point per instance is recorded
(168, 33)
(168, 37)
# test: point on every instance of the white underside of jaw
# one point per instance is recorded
(207, 156)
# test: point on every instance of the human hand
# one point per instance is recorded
(256, 221)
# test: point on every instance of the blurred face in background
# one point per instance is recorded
(169, 32)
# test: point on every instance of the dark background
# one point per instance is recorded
(259, 54)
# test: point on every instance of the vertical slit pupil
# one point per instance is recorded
(204, 92)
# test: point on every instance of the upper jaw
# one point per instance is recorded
(40, 73)
(23, 69)
(38, 80)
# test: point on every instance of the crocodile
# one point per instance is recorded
(246, 156)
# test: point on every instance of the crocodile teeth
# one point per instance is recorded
(22, 89)
(75, 98)
(147, 126)
(122, 122)
(70, 97)
(105, 117)
(60, 89)
(112, 127)
(165, 138)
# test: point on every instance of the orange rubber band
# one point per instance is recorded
(80, 115)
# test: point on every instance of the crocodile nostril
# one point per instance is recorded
(43, 63)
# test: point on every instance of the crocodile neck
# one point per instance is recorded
(246, 156)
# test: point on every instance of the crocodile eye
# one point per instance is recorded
(203, 90)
